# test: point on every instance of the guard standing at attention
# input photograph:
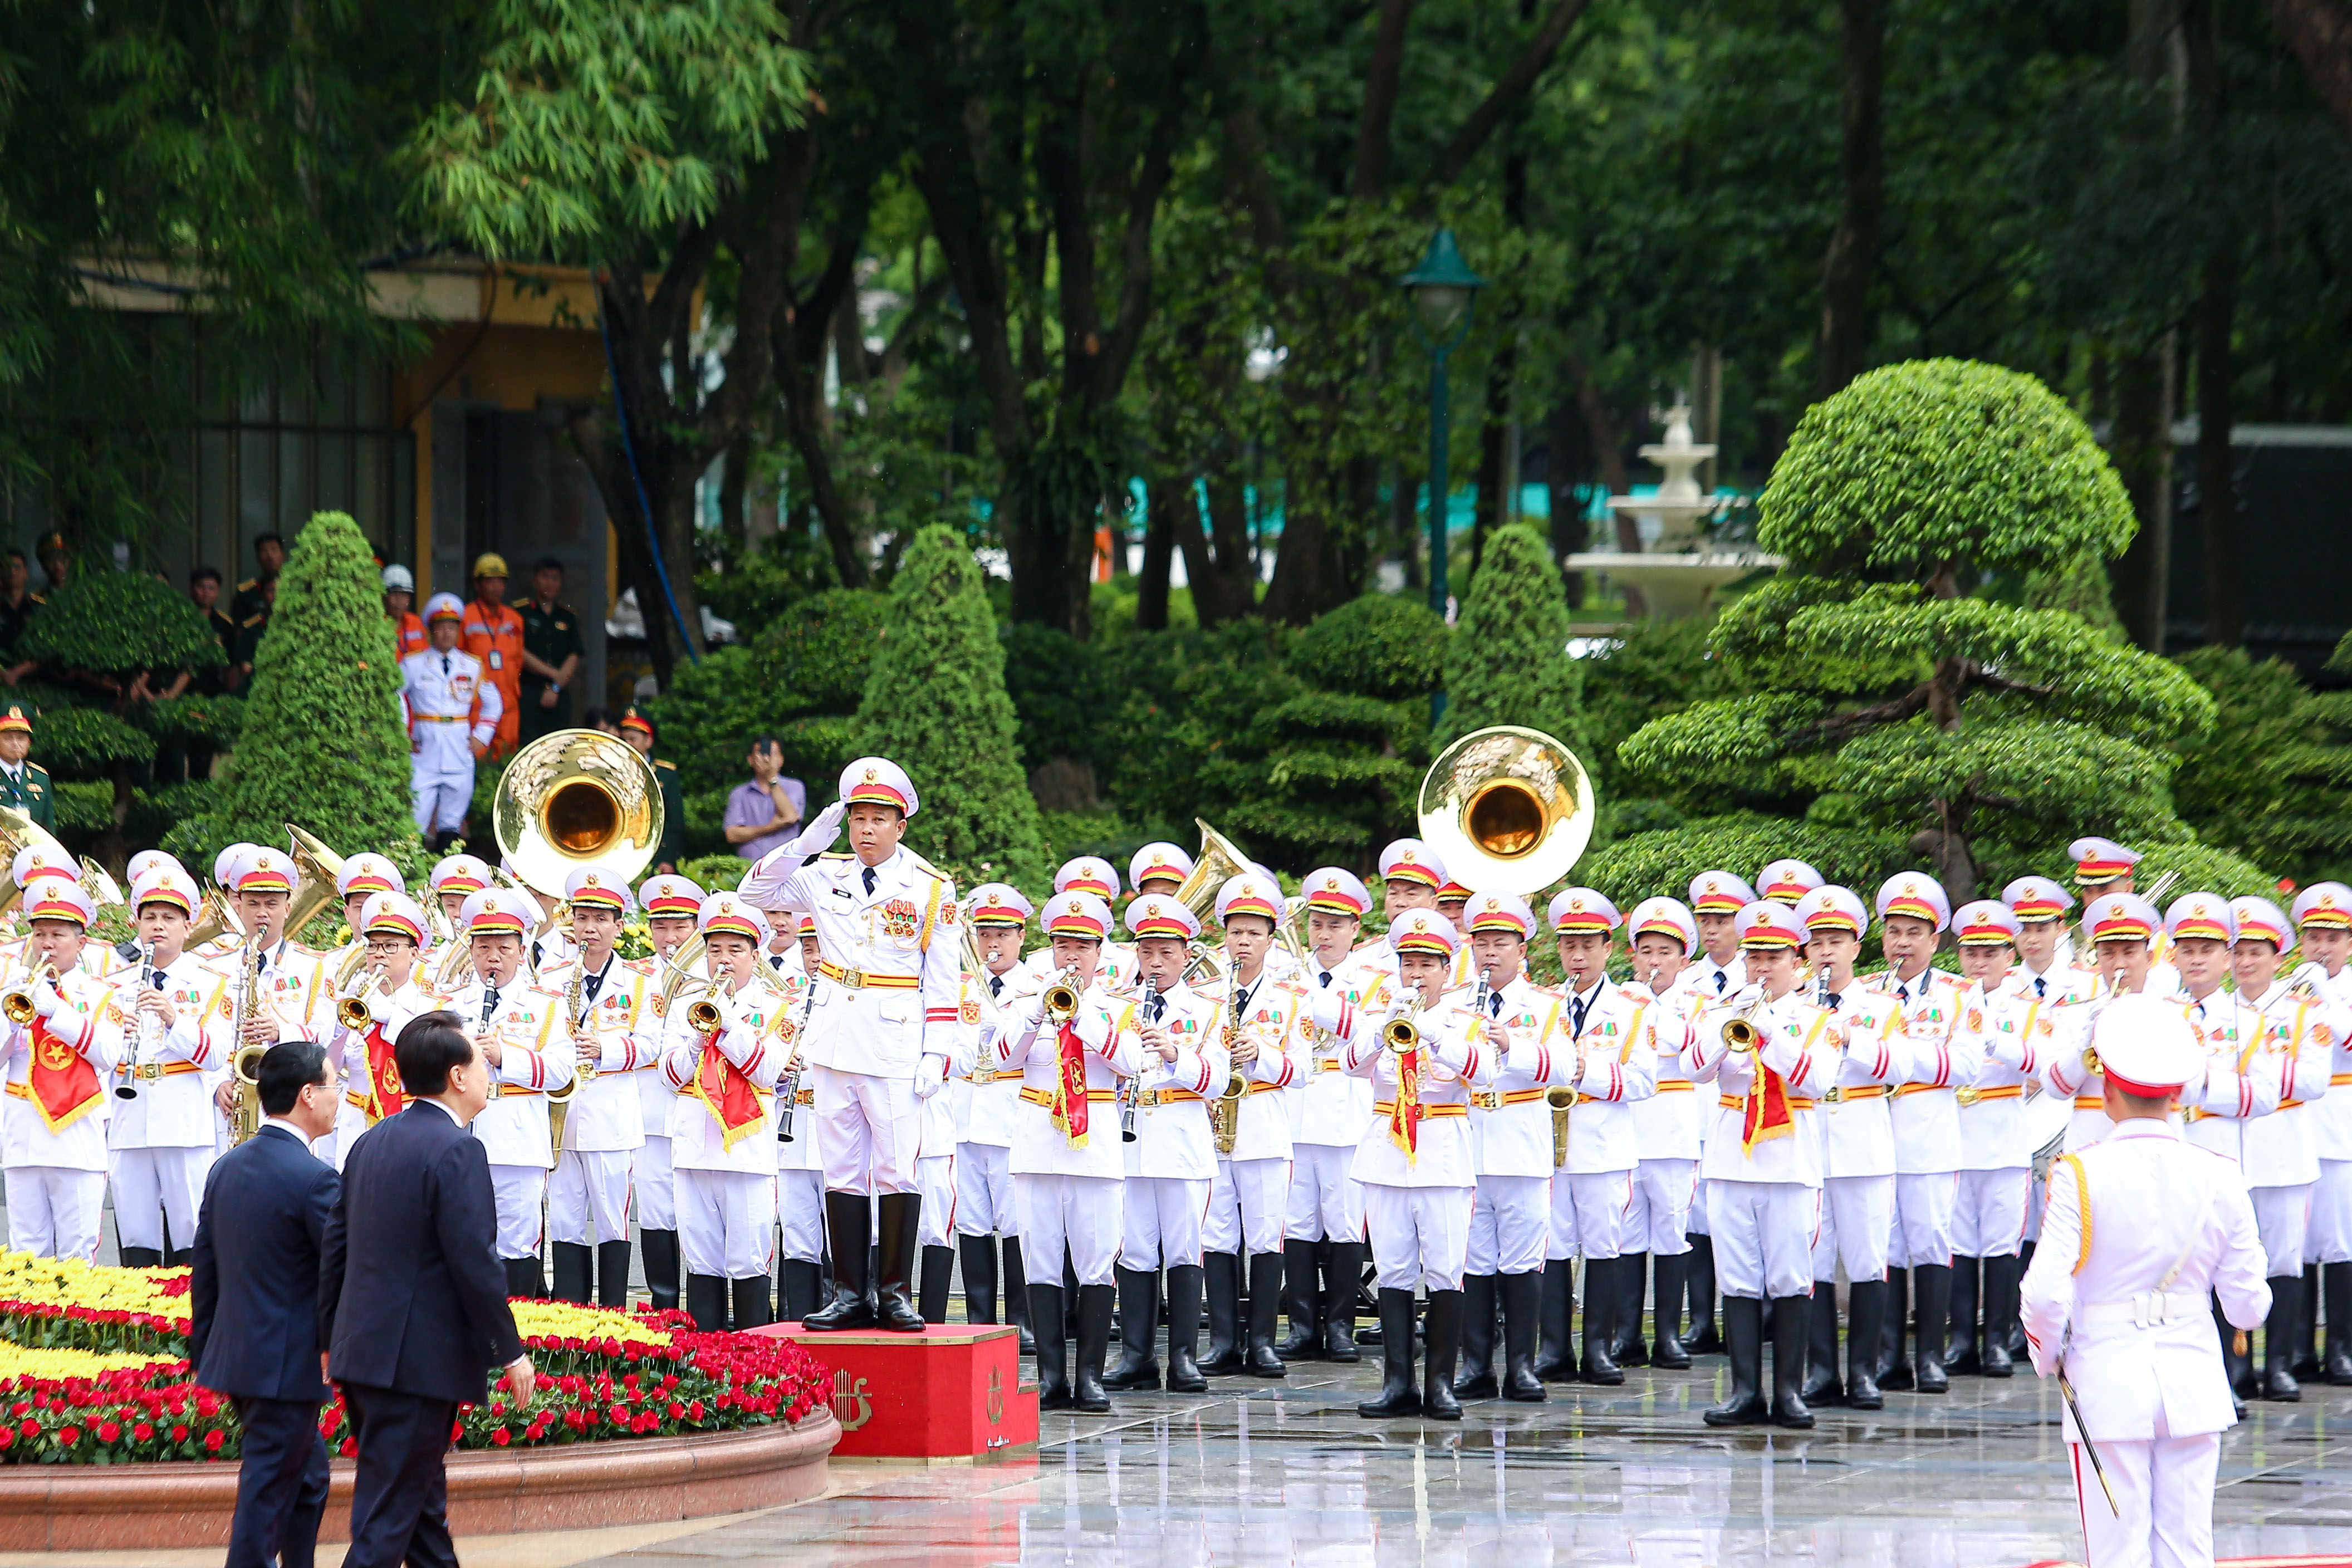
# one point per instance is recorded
(24, 785)
(453, 716)
(551, 650)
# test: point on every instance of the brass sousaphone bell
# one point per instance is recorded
(1507, 809)
(574, 800)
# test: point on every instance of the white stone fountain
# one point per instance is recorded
(1678, 570)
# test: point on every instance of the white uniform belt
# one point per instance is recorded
(2148, 1309)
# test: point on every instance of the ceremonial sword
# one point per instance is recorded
(2082, 1433)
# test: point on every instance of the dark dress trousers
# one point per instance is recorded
(412, 1310)
(253, 1334)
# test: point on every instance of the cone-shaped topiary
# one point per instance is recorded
(323, 746)
(1507, 662)
(935, 704)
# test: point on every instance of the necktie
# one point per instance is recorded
(1833, 999)
(1720, 976)
(1577, 1009)
(869, 879)
(1902, 994)
(2041, 987)
(592, 984)
(445, 664)
(1158, 1005)
(1495, 1004)
(776, 961)
(1324, 979)
(996, 986)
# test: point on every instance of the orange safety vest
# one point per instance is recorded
(409, 634)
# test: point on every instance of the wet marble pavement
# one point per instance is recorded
(1287, 1473)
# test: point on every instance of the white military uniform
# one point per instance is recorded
(1417, 1201)
(535, 1060)
(1067, 1185)
(1927, 1114)
(2014, 1035)
(1511, 1220)
(1763, 1204)
(2329, 1239)
(1249, 1195)
(1593, 1193)
(55, 1158)
(984, 1200)
(800, 1165)
(451, 709)
(159, 1140)
(726, 1177)
(944, 1102)
(604, 1124)
(1704, 983)
(2265, 1058)
(1173, 1158)
(390, 1013)
(1330, 1106)
(1665, 1130)
(1857, 1132)
(652, 1176)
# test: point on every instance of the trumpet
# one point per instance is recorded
(1402, 1033)
(1739, 1030)
(1563, 1099)
(246, 1068)
(17, 1004)
(351, 1004)
(702, 1016)
(1061, 998)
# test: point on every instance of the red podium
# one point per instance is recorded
(951, 1394)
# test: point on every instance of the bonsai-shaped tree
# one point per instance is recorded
(1886, 693)
(323, 746)
(109, 643)
(935, 704)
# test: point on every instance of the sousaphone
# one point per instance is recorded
(577, 800)
(1507, 809)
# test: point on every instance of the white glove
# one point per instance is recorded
(1747, 995)
(931, 1077)
(818, 836)
(45, 1000)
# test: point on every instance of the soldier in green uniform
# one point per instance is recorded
(551, 651)
(250, 600)
(24, 785)
(638, 731)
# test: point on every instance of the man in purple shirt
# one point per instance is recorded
(761, 814)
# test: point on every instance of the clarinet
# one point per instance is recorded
(489, 1005)
(1129, 1093)
(788, 1087)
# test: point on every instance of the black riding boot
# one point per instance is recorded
(1894, 1361)
(939, 1273)
(1865, 1302)
(1821, 1384)
(1478, 1379)
(2335, 1285)
(1789, 1316)
(1184, 1289)
(1442, 1330)
(894, 1294)
(1306, 1340)
(1698, 1278)
(751, 1308)
(1556, 1313)
(574, 1265)
(2306, 1331)
(523, 1278)
(1934, 1285)
(1522, 1294)
(143, 1258)
(848, 1222)
(1053, 1349)
(1600, 1322)
(1094, 1303)
(1398, 1397)
(661, 1266)
(1264, 1300)
(800, 1288)
(2279, 1339)
(1669, 1351)
(1221, 1283)
(1743, 1335)
(706, 1302)
(1339, 1311)
(1138, 1318)
(1016, 1295)
(1627, 1345)
(1960, 1357)
(978, 1254)
(613, 1274)
(2001, 1276)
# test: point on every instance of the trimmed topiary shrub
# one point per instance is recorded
(323, 746)
(936, 705)
(1381, 646)
(111, 622)
(1507, 662)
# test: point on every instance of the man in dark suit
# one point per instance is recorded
(413, 1299)
(258, 1237)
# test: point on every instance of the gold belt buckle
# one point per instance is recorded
(1834, 1095)
(586, 1072)
(1968, 1096)
(854, 978)
(1487, 1099)
(150, 1071)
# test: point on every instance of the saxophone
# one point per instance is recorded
(583, 1068)
(1225, 1109)
(244, 1064)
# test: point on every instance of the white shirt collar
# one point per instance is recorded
(300, 1136)
(2145, 1127)
(443, 1110)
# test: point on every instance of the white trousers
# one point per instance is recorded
(588, 1197)
(1421, 1235)
(727, 1222)
(442, 793)
(1657, 1219)
(800, 1213)
(1763, 1237)
(1923, 1220)
(1698, 1220)
(935, 1177)
(2282, 1216)
(656, 1185)
(1857, 1214)
(53, 1212)
(1080, 1214)
(1325, 1203)
(1510, 1219)
(1163, 1223)
(155, 1189)
(1246, 1200)
(868, 1132)
(2163, 1516)
(1588, 1213)
(984, 1202)
(521, 1193)
(2328, 1238)
(1988, 1212)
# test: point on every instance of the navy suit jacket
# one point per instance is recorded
(412, 1296)
(259, 1236)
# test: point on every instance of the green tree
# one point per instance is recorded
(2274, 780)
(323, 746)
(1507, 661)
(1880, 695)
(935, 704)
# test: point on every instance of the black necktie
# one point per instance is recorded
(589, 985)
(1326, 979)
(1494, 1003)
(2041, 987)
(1833, 999)
(869, 880)
(445, 664)
(776, 961)
(1577, 1009)
(1158, 1005)
(1720, 976)
(996, 986)
(1902, 994)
